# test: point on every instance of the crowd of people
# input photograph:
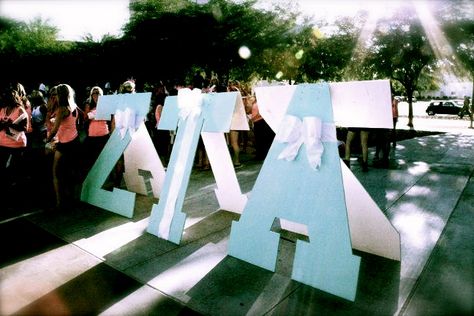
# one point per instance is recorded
(48, 138)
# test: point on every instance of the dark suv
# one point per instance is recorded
(445, 107)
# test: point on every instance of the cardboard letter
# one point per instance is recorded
(142, 155)
(294, 191)
(218, 113)
(118, 201)
(358, 103)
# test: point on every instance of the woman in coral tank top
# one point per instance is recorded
(98, 130)
(13, 123)
(66, 148)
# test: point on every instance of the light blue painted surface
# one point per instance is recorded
(170, 114)
(109, 104)
(118, 201)
(219, 114)
(293, 191)
(217, 109)
(177, 160)
(216, 116)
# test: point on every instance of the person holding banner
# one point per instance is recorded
(364, 140)
(395, 120)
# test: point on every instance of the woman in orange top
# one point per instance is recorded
(68, 138)
(263, 133)
(13, 123)
(98, 131)
(395, 120)
(234, 138)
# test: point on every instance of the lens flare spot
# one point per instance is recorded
(317, 33)
(299, 54)
(279, 75)
(244, 52)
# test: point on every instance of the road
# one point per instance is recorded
(438, 123)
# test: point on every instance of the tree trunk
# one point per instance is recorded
(410, 108)
(471, 112)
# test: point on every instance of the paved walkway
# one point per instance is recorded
(90, 261)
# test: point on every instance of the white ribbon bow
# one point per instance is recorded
(311, 131)
(125, 120)
(189, 102)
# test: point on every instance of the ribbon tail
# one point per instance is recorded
(312, 139)
(123, 131)
(131, 131)
(314, 153)
(290, 152)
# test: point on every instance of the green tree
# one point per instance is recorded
(461, 36)
(400, 51)
(207, 36)
(328, 57)
(26, 47)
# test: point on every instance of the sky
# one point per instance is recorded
(76, 18)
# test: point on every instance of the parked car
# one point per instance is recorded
(402, 98)
(445, 107)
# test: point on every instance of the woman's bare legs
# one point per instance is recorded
(347, 153)
(364, 144)
(234, 142)
(56, 174)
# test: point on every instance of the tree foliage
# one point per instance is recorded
(31, 39)
(208, 35)
(328, 57)
(461, 36)
(172, 39)
(400, 51)
(26, 47)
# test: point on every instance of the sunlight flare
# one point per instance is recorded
(114, 238)
(439, 44)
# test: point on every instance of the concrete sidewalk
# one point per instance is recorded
(90, 261)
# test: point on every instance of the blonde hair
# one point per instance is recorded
(21, 90)
(66, 97)
(127, 87)
(96, 88)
